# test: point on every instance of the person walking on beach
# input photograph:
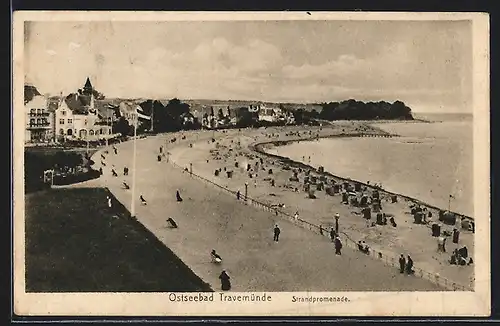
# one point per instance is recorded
(402, 264)
(333, 235)
(337, 216)
(277, 232)
(338, 246)
(442, 244)
(238, 195)
(178, 196)
(456, 235)
(409, 266)
(225, 281)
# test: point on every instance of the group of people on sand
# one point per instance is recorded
(459, 257)
(406, 265)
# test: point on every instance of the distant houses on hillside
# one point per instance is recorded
(221, 115)
(87, 115)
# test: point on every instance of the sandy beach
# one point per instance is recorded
(406, 238)
(209, 218)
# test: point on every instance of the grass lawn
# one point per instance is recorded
(75, 243)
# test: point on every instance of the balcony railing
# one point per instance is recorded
(39, 125)
(39, 114)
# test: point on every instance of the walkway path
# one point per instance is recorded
(210, 219)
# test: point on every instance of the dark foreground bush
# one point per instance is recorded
(75, 178)
(76, 243)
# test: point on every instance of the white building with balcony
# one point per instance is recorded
(39, 121)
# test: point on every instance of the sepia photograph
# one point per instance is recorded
(225, 164)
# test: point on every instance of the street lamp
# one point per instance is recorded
(87, 137)
(110, 121)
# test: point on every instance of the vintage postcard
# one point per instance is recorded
(251, 164)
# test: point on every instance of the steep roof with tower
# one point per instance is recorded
(88, 86)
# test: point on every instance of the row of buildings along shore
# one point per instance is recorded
(86, 115)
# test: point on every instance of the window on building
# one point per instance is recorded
(63, 112)
(61, 131)
(70, 132)
(61, 121)
(70, 120)
(91, 132)
(38, 111)
(109, 131)
(32, 122)
(38, 121)
(100, 131)
(32, 112)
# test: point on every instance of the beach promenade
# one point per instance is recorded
(209, 218)
(406, 238)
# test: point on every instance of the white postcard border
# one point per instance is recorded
(475, 303)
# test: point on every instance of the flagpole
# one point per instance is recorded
(107, 136)
(152, 116)
(132, 206)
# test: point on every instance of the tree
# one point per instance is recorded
(298, 115)
(245, 118)
(358, 110)
(175, 109)
(400, 111)
(162, 121)
(122, 126)
(30, 92)
(97, 95)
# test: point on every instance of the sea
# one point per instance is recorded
(429, 161)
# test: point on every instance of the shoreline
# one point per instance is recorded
(260, 147)
(197, 233)
(282, 200)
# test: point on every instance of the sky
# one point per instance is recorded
(426, 64)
